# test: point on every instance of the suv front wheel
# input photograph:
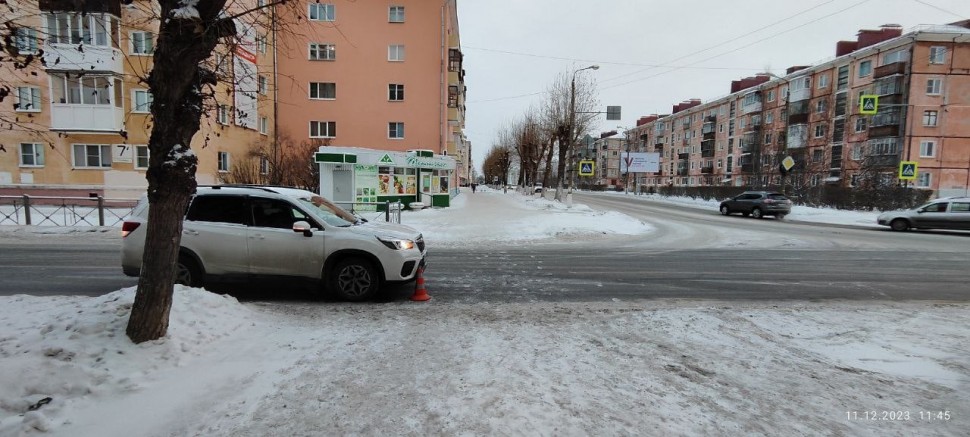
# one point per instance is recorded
(187, 272)
(353, 279)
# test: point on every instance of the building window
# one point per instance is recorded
(820, 130)
(818, 155)
(28, 99)
(770, 117)
(141, 43)
(860, 124)
(31, 155)
(855, 154)
(897, 56)
(927, 149)
(222, 114)
(771, 95)
(263, 125)
(929, 118)
(323, 90)
(823, 81)
(141, 101)
(323, 129)
(25, 39)
(395, 92)
(395, 14)
(937, 55)
(81, 28)
(261, 43)
(395, 130)
(322, 12)
(322, 52)
(263, 85)
(92, 156)
(223, 161)
(820, 106)
(263, 165)
(395, 52)
(865, 68)
(923, 179)
(934, 86)
(141, 157)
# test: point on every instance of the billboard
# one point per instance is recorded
(638, 162)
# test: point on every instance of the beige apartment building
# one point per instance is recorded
(82, 118)
(384, 75)
(812, 114)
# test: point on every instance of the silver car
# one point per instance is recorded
(246, 232)
(947, 213)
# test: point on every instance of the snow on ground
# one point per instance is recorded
(639, 367)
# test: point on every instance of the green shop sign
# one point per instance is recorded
(415, 161)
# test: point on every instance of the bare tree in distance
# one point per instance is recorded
(558, 108)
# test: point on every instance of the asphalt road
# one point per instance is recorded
(694, 254)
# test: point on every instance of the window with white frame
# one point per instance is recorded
(322, 52)
(856, 153)
(263, 165)
(323, 90)
(934, 86)
(823, 81)
(92, 156)
(141, 157)
(930, 118)
(884, 146)
(395, 14)
(395, 52)
(31, 155)
(263, 125)
(323, 129)
(927, 149)
(897, 56)
(816, 178)
(141, 101)
(322, 12)
(25, 39)
(223, 161)
(261, 43)
(923, 179)
(771, 96)
(770, 117)
(222, 114)
(141, 43)
(865, 68)
(860, 124)
(395, 130)
(395, 92)
(84, 90)
(263, 85)
(820, 106)
(937, 55)
(820, 130)
(81, 28)
(28, 99)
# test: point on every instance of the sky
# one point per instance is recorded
(652, 54)
(454, 367)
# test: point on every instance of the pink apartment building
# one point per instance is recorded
(922, 78)
(376, 75)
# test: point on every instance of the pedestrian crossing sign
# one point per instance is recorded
(868, 104)
(907, 170)
(586, 168)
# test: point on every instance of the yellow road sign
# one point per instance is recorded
(586, 167)
(907, 170)
(868, 104)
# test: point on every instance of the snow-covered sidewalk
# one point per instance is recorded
(641, 367)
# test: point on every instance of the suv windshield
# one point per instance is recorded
(327, 212)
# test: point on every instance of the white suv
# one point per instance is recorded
(243, 232)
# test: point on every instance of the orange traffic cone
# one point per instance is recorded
(420, 294)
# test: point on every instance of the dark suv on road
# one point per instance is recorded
(758, 204)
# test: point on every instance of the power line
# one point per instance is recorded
(940, 9)
(591, 61)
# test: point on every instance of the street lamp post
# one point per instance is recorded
(572, 126)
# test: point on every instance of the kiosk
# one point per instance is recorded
(366, 179)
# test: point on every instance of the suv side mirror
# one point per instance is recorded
(304, 227)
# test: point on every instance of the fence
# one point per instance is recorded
(63, 211)
(390, 214)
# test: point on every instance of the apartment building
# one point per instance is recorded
(376, 75)
(81, 120)
(812, 114)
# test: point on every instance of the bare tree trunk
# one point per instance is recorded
(548, 173)
(176, 83)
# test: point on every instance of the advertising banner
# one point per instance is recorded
(638, 162)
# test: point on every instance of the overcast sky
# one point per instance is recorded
(653, 54)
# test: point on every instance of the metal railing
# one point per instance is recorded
(64, 211)
(390, 214)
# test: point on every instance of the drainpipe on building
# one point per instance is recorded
(276, 136)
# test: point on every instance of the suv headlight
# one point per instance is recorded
(397, 243)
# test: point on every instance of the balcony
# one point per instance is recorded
(707, 170)
(884, 131)
(683, 155)
(94, 59)
(889, 70)
(798, 118)
(682, 171)
(751, 107)
(882, 160)
(707, 153)
(747, 168)
(710, 119)
(68, 117)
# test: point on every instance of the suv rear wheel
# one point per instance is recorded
(188, 272)
(756, 213)
(353, 279)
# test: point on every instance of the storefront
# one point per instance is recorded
(366, 179)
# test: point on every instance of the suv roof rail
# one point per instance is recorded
(268, 188)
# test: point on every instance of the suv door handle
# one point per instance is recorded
(257, 236)
(190, 232)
